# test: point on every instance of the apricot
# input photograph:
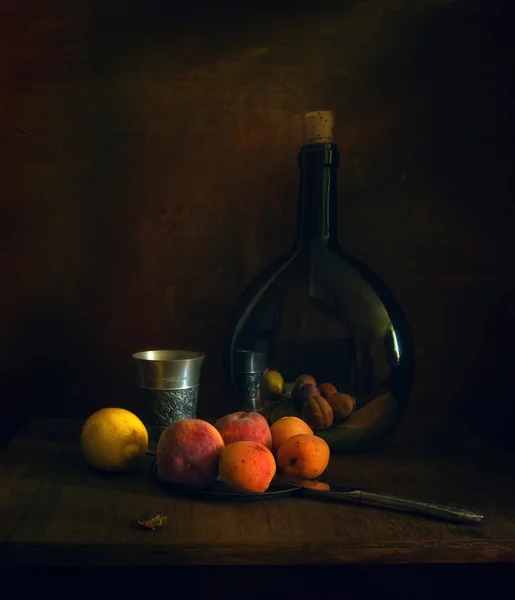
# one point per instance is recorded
(304, 455)
(244, 427)
(317, 413)
(247, 467)
(327, 389)
(285, 428)
(342, 405)
(188, 453)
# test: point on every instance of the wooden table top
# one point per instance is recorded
(55, 510)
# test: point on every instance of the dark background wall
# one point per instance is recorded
(148, 172)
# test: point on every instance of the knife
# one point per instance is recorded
(322, 490)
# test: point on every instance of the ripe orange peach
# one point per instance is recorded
(303, 455)
(188, 453)
(244, 427)
(285, 428)
(247, 467)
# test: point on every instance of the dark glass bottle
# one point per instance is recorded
(321, 312)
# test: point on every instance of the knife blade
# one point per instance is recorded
(329, 491)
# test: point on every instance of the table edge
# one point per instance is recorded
(420, 552)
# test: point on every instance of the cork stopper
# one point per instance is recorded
(319, 127)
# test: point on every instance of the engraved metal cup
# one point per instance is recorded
(248, 371)
(169, 381)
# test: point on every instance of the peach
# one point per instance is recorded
(244, 427)
(247, 467)
(285, 428)
(304, 455)
(327, 389)
(188, 453)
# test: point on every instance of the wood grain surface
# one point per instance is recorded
(55, 511)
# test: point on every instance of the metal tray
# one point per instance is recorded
(221, 491)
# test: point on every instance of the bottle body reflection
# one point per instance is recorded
(319, 311)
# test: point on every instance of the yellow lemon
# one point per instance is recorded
(274, 383)
(113, 439)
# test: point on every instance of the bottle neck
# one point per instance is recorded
(318, 164)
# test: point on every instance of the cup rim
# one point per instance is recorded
(175, 355)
